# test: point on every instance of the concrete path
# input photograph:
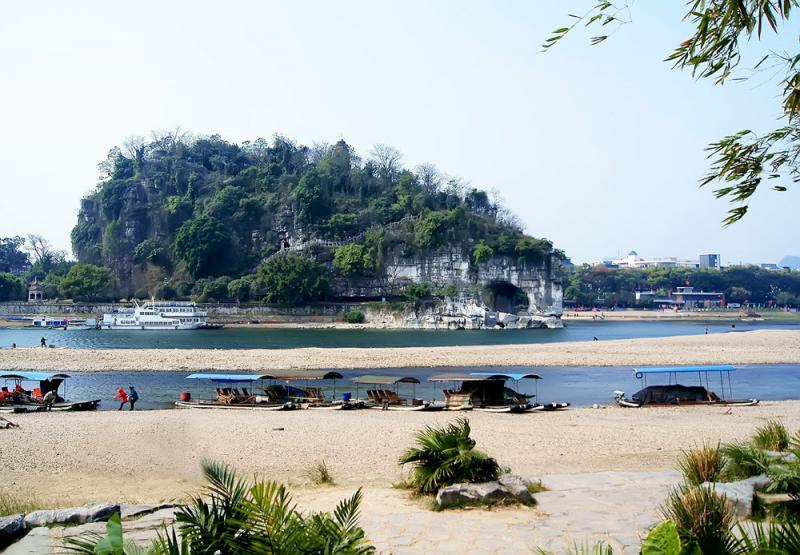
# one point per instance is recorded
(578, 509)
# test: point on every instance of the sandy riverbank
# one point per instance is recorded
(752, 347)
(155, 455)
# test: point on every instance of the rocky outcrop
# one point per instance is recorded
(11, 527)
(452, 267)
(741, 494)
(95, 512)
(504, 489)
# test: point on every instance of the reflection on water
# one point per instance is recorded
(581, 386)
(261, 338)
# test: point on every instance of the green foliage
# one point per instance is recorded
(743, 460)
(446, 456)
(448, 291)
(86, 282)
(353, 259)
(13, 259)
(737, 283)
(12, 288)
(206, 208)
(701, 464)
(241, 288)
(340, 226)
(744, 160)
(663, 540)
(292, 280)
(532, 250)
(354, 317)
(772, 436)
(203, 243)
(211, 290)
(702, 517)
(165, 292)
(234, 516)
(311, 203)
(149, 251)
(481, 253)
(416, 292)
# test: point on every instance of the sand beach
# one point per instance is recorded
(751, 347)
(608, 469)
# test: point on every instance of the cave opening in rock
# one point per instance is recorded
(502, 296)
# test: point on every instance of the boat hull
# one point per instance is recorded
(145, 327)
(73, 406)
(732, 403)
(224, 406)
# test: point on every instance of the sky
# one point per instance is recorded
(599, 149)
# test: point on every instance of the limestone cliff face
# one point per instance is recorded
(492, 292)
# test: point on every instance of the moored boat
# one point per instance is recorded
(15, 398)
(674, 394)
(487, 392)
(389, 399)
(230, 394)
(158, 315)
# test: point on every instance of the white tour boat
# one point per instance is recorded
(156, 315)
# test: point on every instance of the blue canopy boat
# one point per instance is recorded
(673, 393)
(16, 399)
(233, 391)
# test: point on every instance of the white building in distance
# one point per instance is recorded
(633, 260)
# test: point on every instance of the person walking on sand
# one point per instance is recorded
(133, 396)
(43, 341)
(122, 396)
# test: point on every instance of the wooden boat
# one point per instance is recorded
(487, 392)
(389, 399)
(297, 389)
(229, 395)
(14, 398)
(674, 394)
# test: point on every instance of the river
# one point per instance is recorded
(283, 338)
(581, 386)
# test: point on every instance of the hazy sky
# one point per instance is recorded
(597, 148)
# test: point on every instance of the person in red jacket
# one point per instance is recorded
(122, 396)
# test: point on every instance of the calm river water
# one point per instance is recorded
(581, 386)
(260, 338)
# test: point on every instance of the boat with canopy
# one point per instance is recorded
(488, 392)
(385, 393)
(674, 393)
(234, 391)
(304, 394)
(15, 398)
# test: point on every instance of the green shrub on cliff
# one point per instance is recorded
(353, 317)
(293, 280)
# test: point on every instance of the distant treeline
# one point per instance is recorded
(610, 287)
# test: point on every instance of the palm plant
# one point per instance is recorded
(743, 460)
(236, 517)
(702, 517)
(701, 464)
(772, 436)
(446, 456)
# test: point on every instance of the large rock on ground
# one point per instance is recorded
(95, 512)
(11, 527)
(782, 456)
(517, 487)
(507, 487)
(471, 493)
(740, 494)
